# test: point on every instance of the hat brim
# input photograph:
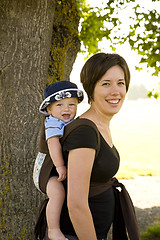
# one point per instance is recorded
(66, 93)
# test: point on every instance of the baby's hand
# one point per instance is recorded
(62, 171)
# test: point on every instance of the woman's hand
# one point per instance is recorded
(80, 163)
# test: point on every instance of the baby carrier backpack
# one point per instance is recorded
(43, 163)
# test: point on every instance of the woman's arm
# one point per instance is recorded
(80, 163)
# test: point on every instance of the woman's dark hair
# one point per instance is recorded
(96, 66)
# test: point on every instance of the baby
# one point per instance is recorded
(60, 106)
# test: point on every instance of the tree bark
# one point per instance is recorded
(65, 42)
(26, 30)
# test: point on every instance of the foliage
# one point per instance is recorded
(96, 24)
(141, 29)
(153, 94)
(148, 41)
(151, 233)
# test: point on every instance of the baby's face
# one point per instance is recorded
(64, 109)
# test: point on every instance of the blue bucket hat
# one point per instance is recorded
(58, 91)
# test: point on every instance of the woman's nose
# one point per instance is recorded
(114, 90)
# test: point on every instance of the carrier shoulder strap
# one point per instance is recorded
(81, 122)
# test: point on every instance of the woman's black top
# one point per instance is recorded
(105, 166)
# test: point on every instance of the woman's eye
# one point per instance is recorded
(121, 83)
(105, 84)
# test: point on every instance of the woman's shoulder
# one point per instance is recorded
(83, 135)
(83, 131)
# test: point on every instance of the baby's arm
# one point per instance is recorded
(55, 151)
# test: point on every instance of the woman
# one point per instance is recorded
(105, 78)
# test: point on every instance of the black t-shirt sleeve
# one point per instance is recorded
(81, 137)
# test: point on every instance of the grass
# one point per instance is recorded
(151, 233)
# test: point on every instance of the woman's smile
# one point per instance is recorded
(113, 101)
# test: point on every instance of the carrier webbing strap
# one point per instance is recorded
(81, 122)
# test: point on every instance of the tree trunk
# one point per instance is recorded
(65, 43)
(26, 30)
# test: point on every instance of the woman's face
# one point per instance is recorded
(110, 91)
